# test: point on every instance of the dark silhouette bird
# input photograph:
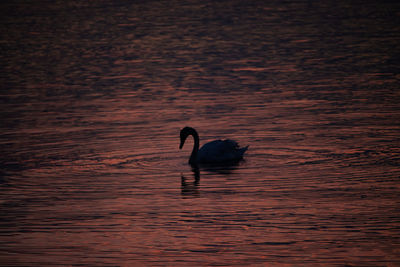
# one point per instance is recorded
(215, 152)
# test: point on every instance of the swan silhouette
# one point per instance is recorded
(214, 152)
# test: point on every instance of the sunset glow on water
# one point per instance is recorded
(94, 95)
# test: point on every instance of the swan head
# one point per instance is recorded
(185, 132)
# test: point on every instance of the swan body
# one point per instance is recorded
(218, 151)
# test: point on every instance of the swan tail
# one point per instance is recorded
(243, 150)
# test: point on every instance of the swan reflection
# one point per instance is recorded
(191, 188)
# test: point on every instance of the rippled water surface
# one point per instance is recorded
(94, 93)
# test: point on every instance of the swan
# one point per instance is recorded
(217, 151)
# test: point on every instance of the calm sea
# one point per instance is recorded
(94, 94)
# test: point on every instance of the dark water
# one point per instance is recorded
(94, 93)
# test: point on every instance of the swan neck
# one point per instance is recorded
(193, 156)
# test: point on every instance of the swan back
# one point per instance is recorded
(221, 151)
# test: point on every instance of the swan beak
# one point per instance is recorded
(181, 145)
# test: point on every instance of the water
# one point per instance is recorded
(94, 95)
